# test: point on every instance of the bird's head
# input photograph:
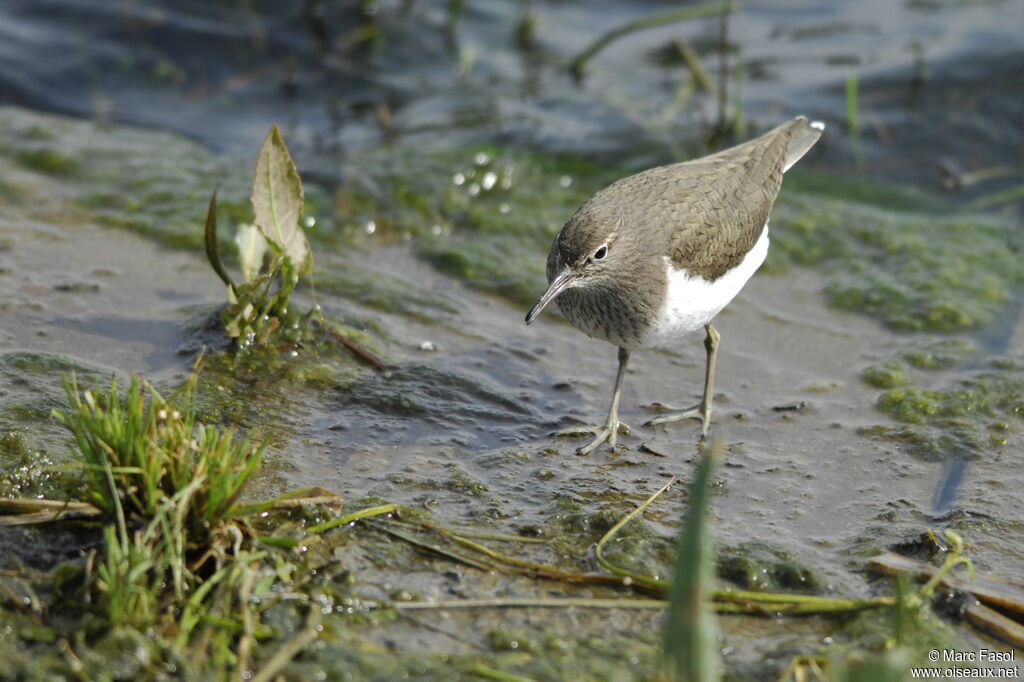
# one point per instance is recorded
(583, 254)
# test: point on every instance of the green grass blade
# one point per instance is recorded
(851, 105)
(691, 639)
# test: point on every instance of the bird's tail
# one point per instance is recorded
(802, 136)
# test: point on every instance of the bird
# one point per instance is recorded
(657, 255)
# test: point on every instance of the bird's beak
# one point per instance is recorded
(564, 280)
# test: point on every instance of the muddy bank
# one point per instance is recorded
(856, 412)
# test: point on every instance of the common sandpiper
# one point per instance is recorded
(658, 254)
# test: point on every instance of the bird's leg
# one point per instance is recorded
(702, 410)
(610, 431)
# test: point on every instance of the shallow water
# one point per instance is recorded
(459, 424)
(218, 72)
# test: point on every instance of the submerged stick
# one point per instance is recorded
(437, 549)
(501, 562)
(989, 589)
(357, 350)
(794, 604)
(996, 624)
(528, 602)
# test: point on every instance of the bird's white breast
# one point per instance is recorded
(692, 301)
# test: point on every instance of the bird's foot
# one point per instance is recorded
(699, 411)
(607, 433)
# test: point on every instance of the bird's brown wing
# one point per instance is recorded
(709, 212)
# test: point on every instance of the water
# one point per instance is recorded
(459, 424)
(221, 72)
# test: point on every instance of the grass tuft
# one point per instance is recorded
(139, 450)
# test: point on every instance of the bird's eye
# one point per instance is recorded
(601, 252)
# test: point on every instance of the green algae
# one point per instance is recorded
(754, 565)
(32, 462)
(154, 183)
(830, 184)
(483, 215)
(944, 354)
(937, 355)
(491, 228)
(427, 390)
(27, 471)
(990, 394)
(979, 413)
(32, 386)
(890, 256)
(517, 653)
(261, 385)
(252, 397)
(886, 375)
(475, 261)
(48, 161)
(384, 293)
(912, 271)
(487, 215)
(635, 547)
(461, 482)
(883, 644)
